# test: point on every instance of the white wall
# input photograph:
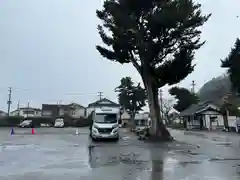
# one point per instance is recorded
(219, 121)
(91, 109)
(78, 112)
(22, 113)
(232, 121)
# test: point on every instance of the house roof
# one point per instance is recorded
(65, 106)
(75, 104)
(27, 108)
(198, 108)
(104, 102)
(1, 112)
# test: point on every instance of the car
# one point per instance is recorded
(26, 124)
(105, 125)
(59, 123)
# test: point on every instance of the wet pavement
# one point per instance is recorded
(59, 154)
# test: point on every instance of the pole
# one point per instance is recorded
(100, 95)
(18, 108)
(28, 108)
(193, 86)
(9, 102)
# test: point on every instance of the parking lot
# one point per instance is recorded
(54, 153)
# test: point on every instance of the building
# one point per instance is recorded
(142, 119)
(3, 114)
(27, 112)
(76, 110)
(103, 103)
(73, 110)
(203, 115)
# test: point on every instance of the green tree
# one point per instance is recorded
(131, 97)
(232, 63)
(184, 98)
(159, 38)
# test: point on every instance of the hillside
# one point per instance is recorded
(215, 89)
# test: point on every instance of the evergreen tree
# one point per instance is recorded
(184, 98)
(232, 63)
(131, 97)
(159, 38)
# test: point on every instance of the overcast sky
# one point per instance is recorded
(47, 50)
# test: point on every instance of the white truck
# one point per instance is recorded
(105, 124)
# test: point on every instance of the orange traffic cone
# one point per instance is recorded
(33, 131)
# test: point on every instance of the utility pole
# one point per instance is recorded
(18, 108)
(161, 103)
(193, 86)
(28, 107)
(100, 95)
(9, 102)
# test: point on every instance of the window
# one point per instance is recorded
(61, 112)
(46, 113)
(213, 118)
(28, 112)
(73, 113)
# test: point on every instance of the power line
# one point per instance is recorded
(9, 102)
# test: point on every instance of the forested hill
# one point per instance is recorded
(215, 89)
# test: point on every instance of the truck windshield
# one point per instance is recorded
(105, 118)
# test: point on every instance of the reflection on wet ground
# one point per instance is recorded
(61, 155)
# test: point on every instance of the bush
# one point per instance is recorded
(82, 122)
(37, 121)
(11, 121)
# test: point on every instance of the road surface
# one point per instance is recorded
(60, 154)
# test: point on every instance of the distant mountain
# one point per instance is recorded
(215, 89)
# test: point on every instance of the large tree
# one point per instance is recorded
(159, 38)
(130, 96)
(232, 63)
(184, 98)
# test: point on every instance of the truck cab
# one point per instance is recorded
(105, 124)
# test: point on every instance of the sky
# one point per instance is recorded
(48, 55)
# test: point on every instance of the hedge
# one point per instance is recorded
(16, 120)
(37, 121)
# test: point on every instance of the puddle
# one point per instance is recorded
(5, 147)
(185, 163)
(224, 159)
(227, 144)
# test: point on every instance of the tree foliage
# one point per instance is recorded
(131, 97)
(184, 98)
(158, 37)
(232, 63)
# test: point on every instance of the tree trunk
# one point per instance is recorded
(158, 130)
(225, 120)
(132, 120)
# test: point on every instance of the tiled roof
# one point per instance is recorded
(96, 103)
(196, 108)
